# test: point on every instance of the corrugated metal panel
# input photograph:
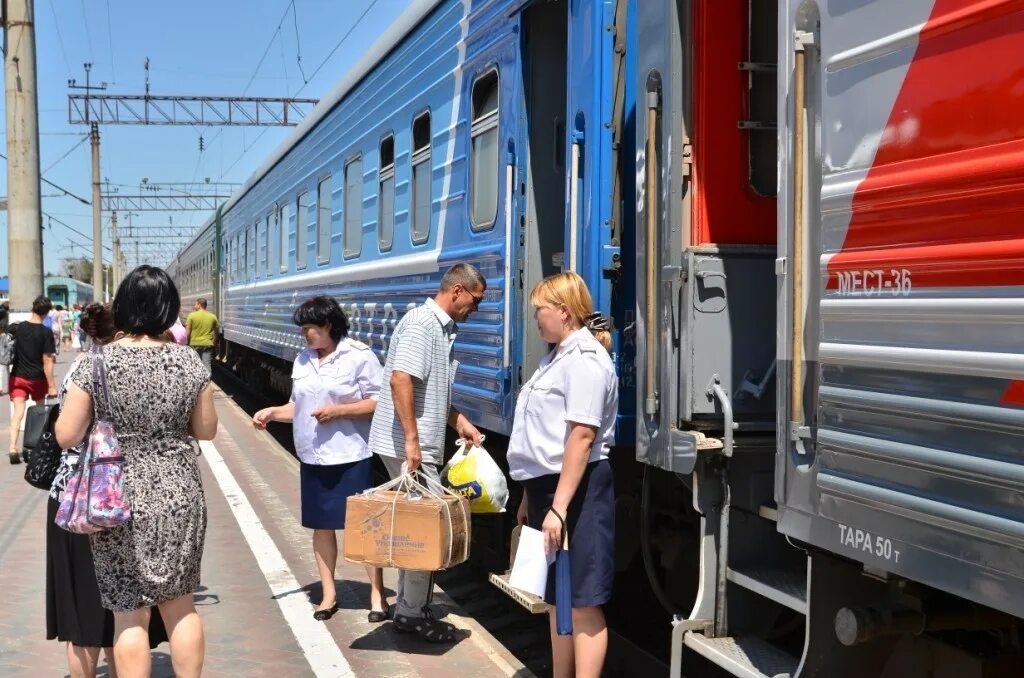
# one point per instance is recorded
(915, 312)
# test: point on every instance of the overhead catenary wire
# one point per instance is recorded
(70, 151)
(298, 44)
(110, 42)
(59, 188)
(72, 228)
(60, 38)
(349, 32)
(245, 90)
(88, 35)
(284, 64)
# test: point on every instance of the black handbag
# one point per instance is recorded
(42, 456)
(36, 418)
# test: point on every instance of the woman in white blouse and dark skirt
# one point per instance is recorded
(563, 429)
(335, 382)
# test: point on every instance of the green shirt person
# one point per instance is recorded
(202, 331)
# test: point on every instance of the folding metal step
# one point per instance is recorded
(743, 656)
(530, 602)
(785, 587)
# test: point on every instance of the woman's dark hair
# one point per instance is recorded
(147, 302)
(322, 312)
(98, 322)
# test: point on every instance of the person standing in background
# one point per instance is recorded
(202, 332)
(178, 333)
(5, 345)
(57, 326)
(32, 371)
(66, 323)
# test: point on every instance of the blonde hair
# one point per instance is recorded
(570, 292)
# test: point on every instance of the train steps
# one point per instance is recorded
(743, 656)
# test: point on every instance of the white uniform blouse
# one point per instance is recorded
(576, 383)
(350, 374)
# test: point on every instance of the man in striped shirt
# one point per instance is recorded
(413, 408)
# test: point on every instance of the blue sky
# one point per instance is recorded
(195, 48)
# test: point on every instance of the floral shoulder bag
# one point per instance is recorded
(95, 497)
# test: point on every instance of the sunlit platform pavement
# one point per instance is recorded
(258, 581)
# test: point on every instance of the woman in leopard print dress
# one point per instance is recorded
(160, 396)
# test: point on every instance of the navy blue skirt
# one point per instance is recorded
(325, 490)
(591, 524)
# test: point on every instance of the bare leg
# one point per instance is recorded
(16, 416)
(131, 643)
(376, 577)
(325, 550)
(82, 661)
(563, 660)
(108, 653)
(185, 631)
(590, 641)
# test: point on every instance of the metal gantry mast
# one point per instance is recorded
(148, 109)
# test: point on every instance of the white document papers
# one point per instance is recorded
(530, 568)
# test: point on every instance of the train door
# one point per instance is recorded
(541, 181)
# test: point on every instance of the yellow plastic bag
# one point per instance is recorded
(473, 474)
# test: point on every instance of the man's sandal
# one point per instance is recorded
(426, 627)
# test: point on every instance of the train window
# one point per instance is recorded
(261, 243)
(266, 245)
(324, 209)
(237, 255)
(284, 224)
(354, 207)
(251, 256)
(386, 194)
(256, 259)
(420, 211)
(483, 159)
(301, 227)
(273, 236)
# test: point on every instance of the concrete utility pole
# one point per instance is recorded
(97, 225)
(116, 241)
(24, 225)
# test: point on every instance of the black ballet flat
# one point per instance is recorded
(324, 615)
(378, 616)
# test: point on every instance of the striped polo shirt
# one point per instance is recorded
(422, 346)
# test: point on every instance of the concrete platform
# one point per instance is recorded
(258, 581)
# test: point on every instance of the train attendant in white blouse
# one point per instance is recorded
(335, 382)
(561, 436)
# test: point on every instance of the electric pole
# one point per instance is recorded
(116, 241)
(24, 230)
(97, 225)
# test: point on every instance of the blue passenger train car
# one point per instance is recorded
(478, 131)
(67, 292)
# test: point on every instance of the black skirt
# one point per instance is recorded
(591, 524)
(325, 491)
(73, 610)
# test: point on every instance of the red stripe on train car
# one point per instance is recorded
(1014, 394)
(943, 198)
